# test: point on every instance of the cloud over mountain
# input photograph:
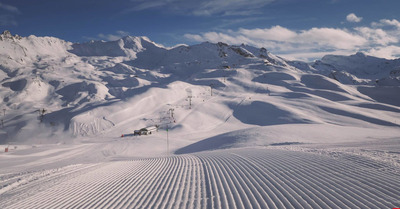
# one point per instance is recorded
(379, 39)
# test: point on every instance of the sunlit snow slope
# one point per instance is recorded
(53, 90)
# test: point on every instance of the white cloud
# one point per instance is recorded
(377, 36)
(232, 7)
(378, 40)
(284, 40)
(143, 5)
(331, 38)
(388, 52)
(276, 33)
(9, 8)
(194, 37)
(113, 37)
(393, 22)
(202, 8)
(353, 18)
(385, 22)
(8, 15)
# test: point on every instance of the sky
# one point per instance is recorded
(294, 29)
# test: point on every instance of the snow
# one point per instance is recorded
(360, 68)
(246, 128)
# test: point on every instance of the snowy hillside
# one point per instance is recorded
(361, 69)
(114, 87)
(83, 87)
(229, 118)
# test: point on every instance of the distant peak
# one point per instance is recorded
(360, 54)
(221, 44)
(263, 50)
(140, 40)
(7, 35)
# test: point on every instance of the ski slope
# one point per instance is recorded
(239, 178)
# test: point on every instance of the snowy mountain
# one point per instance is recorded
(54, 90)
(231, 127)
(361, 69)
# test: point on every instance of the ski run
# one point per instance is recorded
(238, 178)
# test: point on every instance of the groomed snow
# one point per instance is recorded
(236, 178)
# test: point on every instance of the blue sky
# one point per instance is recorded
(296, 29)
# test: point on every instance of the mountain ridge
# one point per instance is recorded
(85, 88)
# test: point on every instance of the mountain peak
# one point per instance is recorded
(360, 54)
(126, 46)
(6, 35)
